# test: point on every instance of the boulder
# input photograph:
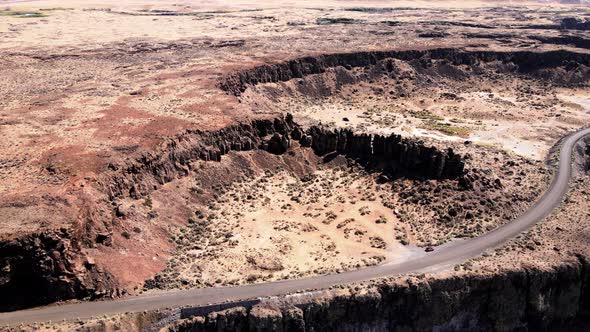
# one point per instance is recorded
(278, 144)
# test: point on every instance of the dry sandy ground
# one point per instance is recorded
(278, 226)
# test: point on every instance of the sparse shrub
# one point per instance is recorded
(148, 202)
(381, 220)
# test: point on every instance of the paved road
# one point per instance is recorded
(441, 258)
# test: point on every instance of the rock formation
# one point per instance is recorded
(524, 299)
(525, 61)
(401, 154)
(152, 169)
(572, 23)
(582, 157)
(44, 268)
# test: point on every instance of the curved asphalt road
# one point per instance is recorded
(441, 258)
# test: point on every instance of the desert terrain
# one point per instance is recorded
(163, 146)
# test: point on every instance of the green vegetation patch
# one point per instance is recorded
(164, 12)
(54, 9)
(425, 115)
(448, 129)
(457, 120)
(369, 10)
(21, 14)
(337, 20)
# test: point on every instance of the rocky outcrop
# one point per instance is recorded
(278, 143)
(581, 164)
(47, 267)
(523, 299)
(525, 62)
(401, 155)
(576, 41)
(175, 158)
(572, 23)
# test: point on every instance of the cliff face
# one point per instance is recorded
(572, 23)
(577, 41)
(532, 63)
(525, 299)
(582, 157)
(402, 155)
(42, 268)
(152, 169)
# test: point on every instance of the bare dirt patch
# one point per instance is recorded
(278, 226)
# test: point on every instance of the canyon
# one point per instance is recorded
(242, 145)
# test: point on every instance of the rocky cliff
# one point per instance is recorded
(43, 268)
(577, 41)
(526, 62)
(582, 157)
(522, 299)
(152, 169)
(572, 23)
(401, 155)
